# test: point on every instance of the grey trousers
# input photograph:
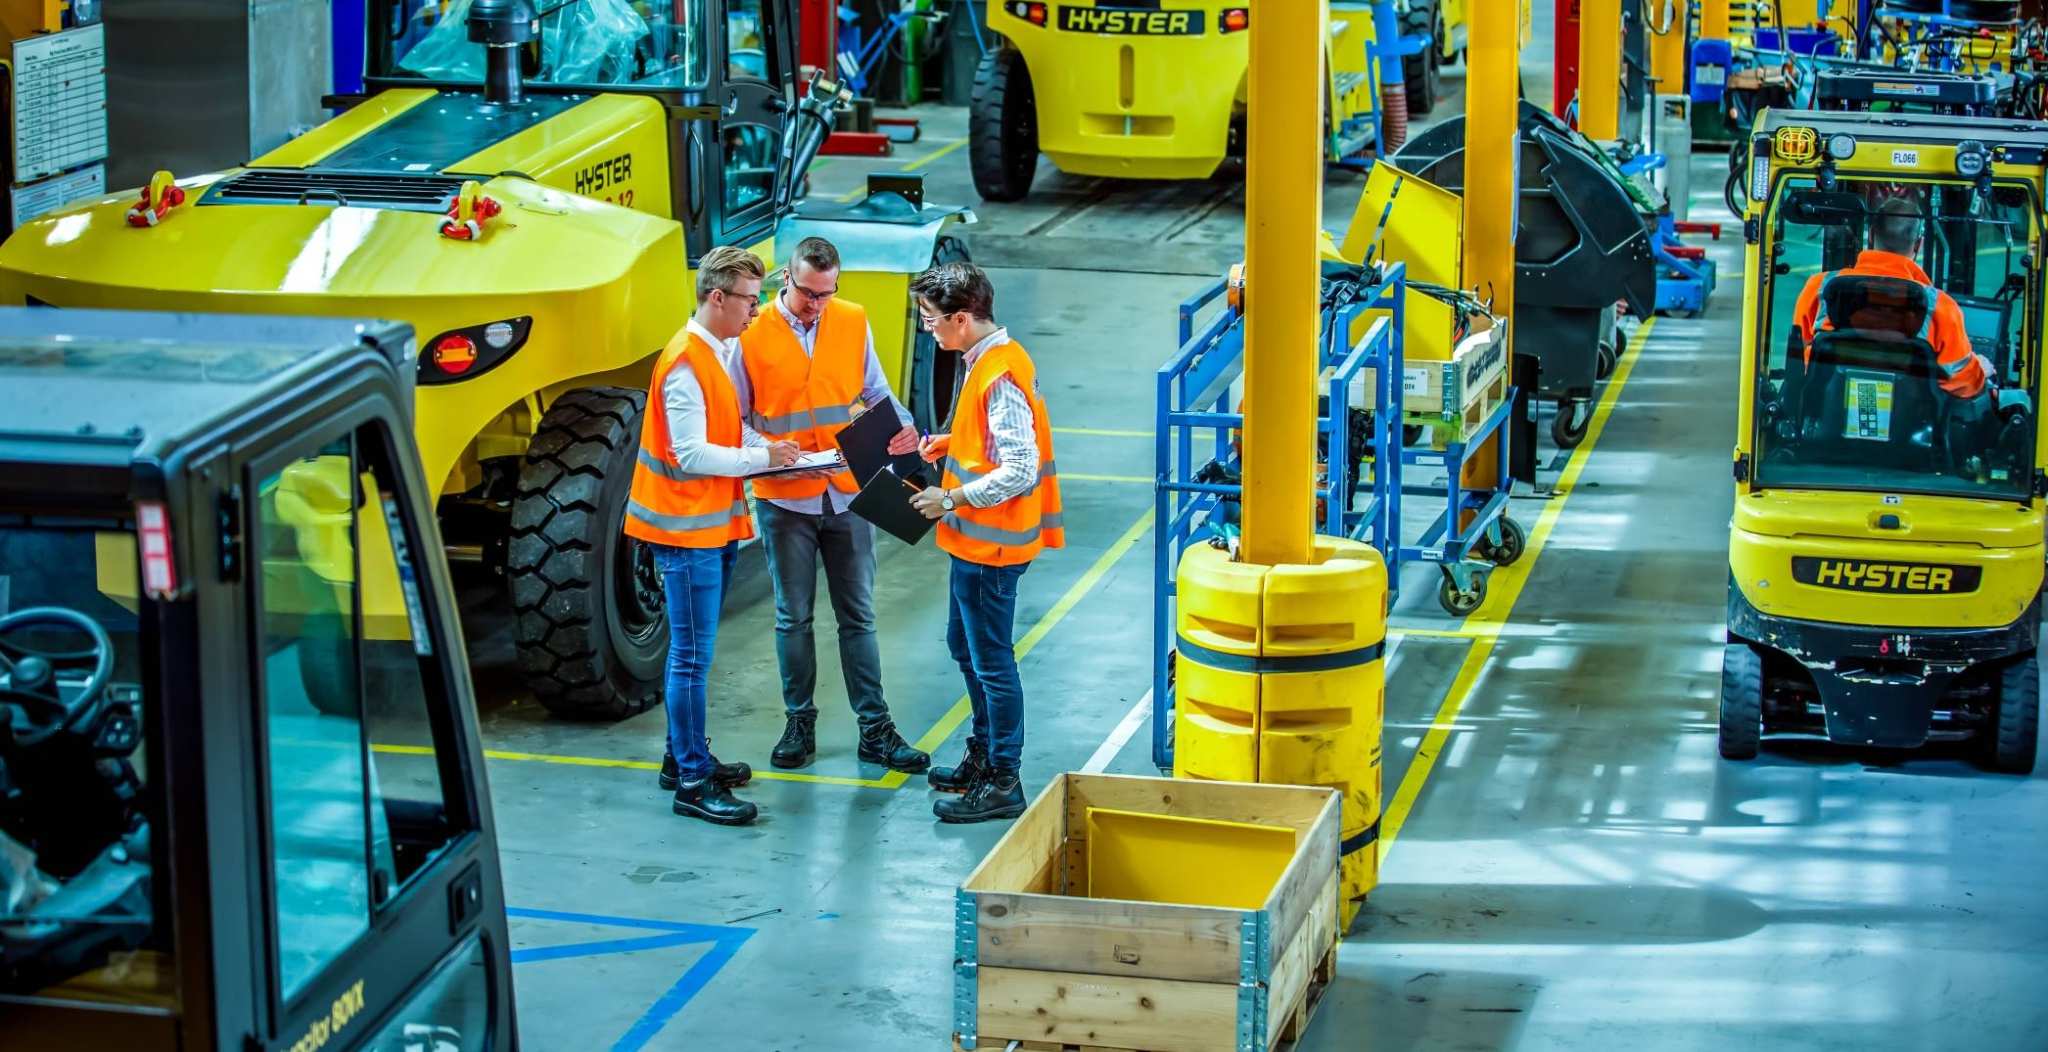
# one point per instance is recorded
(796, 543)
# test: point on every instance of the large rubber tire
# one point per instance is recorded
(934, 376)
(2019, 715)
(1742, 701)
(592, 629)
(1423, 72)
(1002, 127)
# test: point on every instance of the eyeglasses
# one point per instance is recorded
(930, 320)
(812, 296)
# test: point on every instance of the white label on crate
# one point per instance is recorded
(1906, 158)
(60, 102)
(1415, 381)
(51, 194)
(1711, 74)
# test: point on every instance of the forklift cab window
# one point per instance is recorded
(358, 733)
(597, 42)
(82, 914)
(1872, 401)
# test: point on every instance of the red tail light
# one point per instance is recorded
(454, 354)
(1031, 12)
(1235, 20)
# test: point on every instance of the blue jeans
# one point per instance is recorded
(796, 543)
(694, 580)
(980, 618)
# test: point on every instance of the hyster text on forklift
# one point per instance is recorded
(1885, 560)
(193, 854)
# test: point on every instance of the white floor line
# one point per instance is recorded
(1134, 719)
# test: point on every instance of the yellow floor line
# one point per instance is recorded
(932, 739)
(934, 155)
(1077, 477)
(1504, 588)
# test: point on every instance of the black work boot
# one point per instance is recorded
(1000, 795)
(706, 799)
(799, 742)
(730, 775)
(961, 777)
(881, 744)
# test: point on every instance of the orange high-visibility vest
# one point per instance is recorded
(668, 506)
(1016, 530)
(805, 398)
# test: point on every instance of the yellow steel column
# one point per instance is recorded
(1668, 21)
(1283, 213)
(1492, 152)
(1600, 69)
(1714, 19)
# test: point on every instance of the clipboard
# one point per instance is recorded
(825, 460)
(885, 501)
(865, 444)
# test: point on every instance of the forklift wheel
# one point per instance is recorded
(1460, 603)
(1423, 72)
(592, 629)
(2019, 714)
(1002, 127)
(1742, 701)
(1568, 427)
(1513, 540)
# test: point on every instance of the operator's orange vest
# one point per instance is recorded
(805, 398)
(1016, 530)
(668, 506)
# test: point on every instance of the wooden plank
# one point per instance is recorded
(1018, 859)
(1108, 937)
(1314, 866)
(1112, 1011)
(1287, 805)
(1295, 963)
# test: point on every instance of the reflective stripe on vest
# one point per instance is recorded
(684, 523)
(996, 535)
(665, 469)
(801, 420)
(1016, 529)
(967, 474)
(666, 504)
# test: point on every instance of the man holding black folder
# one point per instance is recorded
(997, 506)
(806, 362)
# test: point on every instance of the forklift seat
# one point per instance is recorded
(1874, 303)
(1874, 395)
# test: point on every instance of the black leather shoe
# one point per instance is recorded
(799, 742)
(1000, 795)
(706, 799)
(730, 775)
(961, 777)
(881, 744)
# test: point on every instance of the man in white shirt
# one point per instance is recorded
(804, 365)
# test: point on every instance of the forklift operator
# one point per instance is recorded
(1895, 234)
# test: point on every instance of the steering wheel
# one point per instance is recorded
(31, 688)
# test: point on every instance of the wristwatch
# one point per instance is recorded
(946, 500)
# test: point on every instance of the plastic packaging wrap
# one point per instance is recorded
(581, 42)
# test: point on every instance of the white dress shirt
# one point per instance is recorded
(683, 398)
(874, 388)
(1012, 438)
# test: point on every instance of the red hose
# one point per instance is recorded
(1393, 117)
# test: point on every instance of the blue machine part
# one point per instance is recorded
(1711, 60)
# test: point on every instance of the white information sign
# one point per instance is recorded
(60, 102)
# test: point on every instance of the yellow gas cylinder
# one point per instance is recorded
(1280, 678)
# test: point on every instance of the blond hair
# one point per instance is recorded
(725, 266)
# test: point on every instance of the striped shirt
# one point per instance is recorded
(1012, 438)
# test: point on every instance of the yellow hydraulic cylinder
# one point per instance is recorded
(1283, 217)
(1600, 69)
(1667, 21)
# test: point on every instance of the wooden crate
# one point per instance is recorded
(1037, 962)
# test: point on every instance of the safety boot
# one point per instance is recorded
(880, 744)
(799, 742)
(961, 777)
(1000, 795)
(730, 775)
(706, 799)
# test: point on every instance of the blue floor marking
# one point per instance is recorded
(724, 941)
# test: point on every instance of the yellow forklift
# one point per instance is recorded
(197, 853)
(528, 188)
(1885, 555)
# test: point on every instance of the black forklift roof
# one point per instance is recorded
(2026, 142)
(108, 388)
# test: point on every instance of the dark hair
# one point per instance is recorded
(723, 267)
(950, 288)
(816, 253)
(1897, 226)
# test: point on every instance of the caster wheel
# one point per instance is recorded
(1742, 701)
(1568, 427)
(1459, 603)
(1513, 540)
(1620, 343)
(1604, 365)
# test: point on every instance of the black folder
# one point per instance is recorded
(865, 444)
(885, 501)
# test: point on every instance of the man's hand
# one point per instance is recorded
(928, 502)
(903, 441)
(933, 447)
(782, 453)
